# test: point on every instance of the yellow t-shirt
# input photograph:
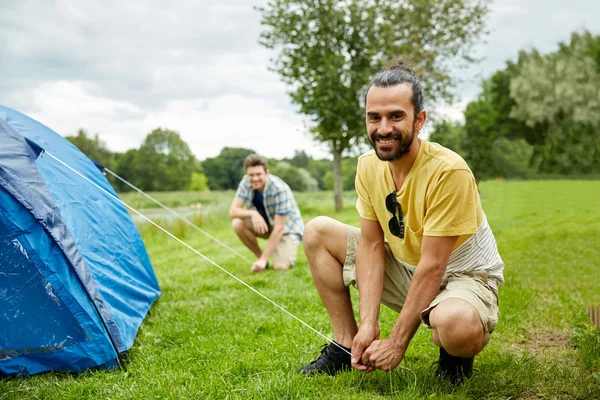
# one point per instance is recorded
(439, 197)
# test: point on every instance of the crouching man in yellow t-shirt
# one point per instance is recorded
(424, 247)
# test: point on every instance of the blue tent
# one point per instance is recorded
(75, 279)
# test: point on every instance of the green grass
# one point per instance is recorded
(211, 337)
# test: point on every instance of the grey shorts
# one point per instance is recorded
(471, 287)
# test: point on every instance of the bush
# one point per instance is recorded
(512, 157)
(198, 182)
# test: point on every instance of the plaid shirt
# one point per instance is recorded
(279, 200)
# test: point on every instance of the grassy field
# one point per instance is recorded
(211, 337)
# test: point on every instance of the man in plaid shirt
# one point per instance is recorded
(264, 206)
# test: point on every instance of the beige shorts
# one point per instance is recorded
(286, 250)
(471, 287)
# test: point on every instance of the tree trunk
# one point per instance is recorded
(337, 179)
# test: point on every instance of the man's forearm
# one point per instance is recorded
(369, 277)
(239, 212)
(273, 242)
(424, 287)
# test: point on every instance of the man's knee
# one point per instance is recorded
(316, 230)
(458, 328)
(238, 225)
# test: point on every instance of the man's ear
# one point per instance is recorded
(420, 120)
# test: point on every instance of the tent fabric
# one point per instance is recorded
(75, 279)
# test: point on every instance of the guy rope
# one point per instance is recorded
(194, 250)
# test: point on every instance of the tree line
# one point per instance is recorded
(538, 117)
(326, 52)
(164, 162)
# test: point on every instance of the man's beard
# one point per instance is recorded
(403, 145)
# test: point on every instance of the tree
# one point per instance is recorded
(300, 159)
(227, 169)
(551, 101)
(310, 183)
(198, 182)
(129, 167)
(318, 169)
(97, 150)
(558, 95)
(349, 174)
(593, 48)
(163, 162)
(565, 83)
(511, 157)
(488, 118)
(450, 135)
(290, 175)
(94, 148)
(329, 49)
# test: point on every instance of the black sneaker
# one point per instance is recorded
(453, 368)
(331, 361)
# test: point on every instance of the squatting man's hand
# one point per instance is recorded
(259, 224)
(259, 266)
(382, 354)
(366, 334)
(369, 353)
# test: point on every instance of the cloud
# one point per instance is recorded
(144, 53)
(207, 125)
(124, 68)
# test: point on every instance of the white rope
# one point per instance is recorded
(177, 215)
(197, 252)
(200, 254)
(390, 376)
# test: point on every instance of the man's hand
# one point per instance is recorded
(382, 354)
(259, 224)
(259, 266)
(366, 335)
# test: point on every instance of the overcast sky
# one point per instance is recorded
(121, 69)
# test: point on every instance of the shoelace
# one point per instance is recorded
(324, 351)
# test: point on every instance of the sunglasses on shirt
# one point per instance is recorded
(396, 223)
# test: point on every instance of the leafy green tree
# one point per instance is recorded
(94, 148)
(488, 118)
(552, 101)
(558, 95)
(318, 169)
(592, 47)
(512, 157)
(569, 149)
(328, 180)
(299, 164)
(300, 159)
(163, 162)
(290, 175)
(129, 167)
(310, 183)
(329, 49)
(217, 174)
(227, 169)
(449, 134)
(561, 84)
(198, 182)
(349, 172)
